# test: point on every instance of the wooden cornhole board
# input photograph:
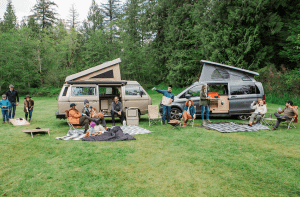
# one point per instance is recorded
(16, 122)
(36, 131)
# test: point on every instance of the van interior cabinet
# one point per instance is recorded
(220, 105)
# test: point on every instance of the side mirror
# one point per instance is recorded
(141, 93)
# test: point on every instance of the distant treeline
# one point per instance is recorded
(159, 41)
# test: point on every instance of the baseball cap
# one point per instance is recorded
(72, 104)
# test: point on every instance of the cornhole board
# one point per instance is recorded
(36, 131)
(16, 122)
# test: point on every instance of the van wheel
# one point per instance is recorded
(243, 117)
(175, 114)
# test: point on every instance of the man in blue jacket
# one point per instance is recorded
(13, 97)
(168, 97)
(4, 105)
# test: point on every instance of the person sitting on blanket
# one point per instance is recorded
(77, 118)
(188, 112)
(92, 131)
(87, 109)
(289, 113)
(260, 110)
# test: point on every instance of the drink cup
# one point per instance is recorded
(270, 115)
(279, 109)
(153, 88)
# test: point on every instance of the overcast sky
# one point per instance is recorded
(23, 7)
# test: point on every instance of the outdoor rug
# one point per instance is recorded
(235, 127)
(131, 130)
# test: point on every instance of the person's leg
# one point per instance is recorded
(202, 112)
(13, 110)
(6, 114)
(26, 116)
(189, 117)
(207, 113)
(164, 114)
(9, 111)
(3, 115)
(258, 117)
(86, 124)
(252, 117)
(103, 122)
(169, 113)
(122, 117)
(30, 114)
(113, 117)
(184, 116)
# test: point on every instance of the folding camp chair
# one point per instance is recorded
(290, 123)
(189, 122)
(153, 114)
(73, 127)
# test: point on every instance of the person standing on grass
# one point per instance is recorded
(28, 107)
(168, 98)
(116, 108)
(204, 102)
(289, 112)
(13, 97)
(188, 112)
(4, 104)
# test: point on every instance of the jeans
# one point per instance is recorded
(12, 110)
(97, 121)
(279, 119)
(30, 114)
(166, 110)
(85, 120)
(5, 114)
(204, 108)
(113, 116)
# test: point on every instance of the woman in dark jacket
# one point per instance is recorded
(28, 107)
(188, 112)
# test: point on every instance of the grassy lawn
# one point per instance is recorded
(181, 162)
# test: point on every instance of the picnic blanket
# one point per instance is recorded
(234, 127)
(134, 130)
(114, 134)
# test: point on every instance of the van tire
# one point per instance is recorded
(243, 117)
(175, 113)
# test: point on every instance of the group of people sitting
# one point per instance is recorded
(89, 114)
(261, 109)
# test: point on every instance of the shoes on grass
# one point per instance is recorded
(273, 129)
(208, 121)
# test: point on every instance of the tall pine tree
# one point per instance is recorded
(44, 12)
(10, 19)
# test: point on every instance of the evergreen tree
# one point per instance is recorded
(95, 19)
(44, 12)
(10, 19)
(73, 17)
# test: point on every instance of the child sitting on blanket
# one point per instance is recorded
(91, 131)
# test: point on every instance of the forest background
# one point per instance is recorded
(159, 42)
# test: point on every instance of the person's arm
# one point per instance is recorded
(0, 104)
(17, 96)
(121, 107)
(253, 106)
(265, 110)
(280, 112)
(160, 91)
(74, 114)
(113, 107)
(295, 111)
(32, 104)
(25, 105)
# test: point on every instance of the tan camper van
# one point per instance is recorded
(100, 85)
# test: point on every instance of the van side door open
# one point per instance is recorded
(241, 95)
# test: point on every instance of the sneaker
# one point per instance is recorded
(250, 125)
(208, 121)
(203, 122)
(164, 123)
(29, 120)
(3, 122)
(273, 129)
(184, 125)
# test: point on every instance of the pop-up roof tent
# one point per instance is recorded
(213, 71)
(108, 72)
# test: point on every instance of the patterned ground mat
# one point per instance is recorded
(131, 130)
(230, 127)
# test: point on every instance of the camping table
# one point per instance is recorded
(36, 131)
(17, 122)
(271, 121)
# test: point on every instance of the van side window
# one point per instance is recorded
(133, 90)
(83, 91)
(105, 90)
(65, 91)
(195, 91)
(242, 89)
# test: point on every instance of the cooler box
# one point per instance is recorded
(132, 116)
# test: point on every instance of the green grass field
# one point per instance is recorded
(181, 162)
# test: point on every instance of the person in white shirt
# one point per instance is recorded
(260, 110)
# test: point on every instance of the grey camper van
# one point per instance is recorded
(232, 91)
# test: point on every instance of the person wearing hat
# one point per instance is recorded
(87, 109)
(13, 97)
(78, 118)
(289, 112)
(28, 107)
(4, 104)
(168, 97)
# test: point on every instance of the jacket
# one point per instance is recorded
(261, 109)
(87, 111)
(5, 103)
(192, 110)
(74, 116)
(166, 93)
(116, 107)
(203, 100)
(28, 104)
(12, 96)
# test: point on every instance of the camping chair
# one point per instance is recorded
(291, 122)
(153, 114)
(189, 122)
(73, 127)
